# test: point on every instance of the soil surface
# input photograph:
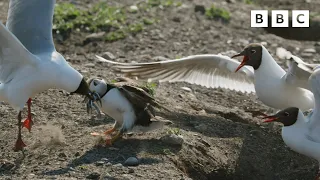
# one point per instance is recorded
(222, 138)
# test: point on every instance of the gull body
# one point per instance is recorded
(265, 77)
(29, 62)
(302, 133)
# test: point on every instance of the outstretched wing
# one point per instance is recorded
(13, 55)
(31, 22)
(208, 70)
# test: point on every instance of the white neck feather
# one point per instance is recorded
(268, 66)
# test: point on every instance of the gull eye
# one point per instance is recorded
(95, 83)
(286, 114)
(253, 51)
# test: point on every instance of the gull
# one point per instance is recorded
(127, 103)
(302, 133)
(29, 62)
(257, 73)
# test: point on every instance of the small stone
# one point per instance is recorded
(33, 113)
(109, 164)
(159, 58)
(77, 154)
(90, 65)
(310, 50)
(105, 159)
(200, 8)
(62, 155)
(93, 175)
(176, 19)
(131, 161)
(172, 139)
(306, 55)
(283, 53)
(95, 36)
(264, 43)
(118, 165)
(99, 163)
(108, 55)
(186, 89)
(131, 171)
(134, 9)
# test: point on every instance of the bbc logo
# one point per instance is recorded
(279, 18)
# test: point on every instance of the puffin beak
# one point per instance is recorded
(270, 118)
(244, 60)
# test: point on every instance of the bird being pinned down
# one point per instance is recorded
(29, 62)
(127, 103)
(302, 133)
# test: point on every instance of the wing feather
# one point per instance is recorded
(207, 70)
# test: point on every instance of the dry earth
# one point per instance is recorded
(222, 139)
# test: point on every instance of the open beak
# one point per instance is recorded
(244, 60)
(270, 118)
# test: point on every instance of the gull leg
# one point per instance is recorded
(19, 143)
(109, 131)
(28, 122)
(114, 138)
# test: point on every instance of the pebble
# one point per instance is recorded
(105, 159)
(89, 65)
(200, 8)
(93, 175)
(62, 155)
(186, 89)
(77, 154)
(108, 55)
(282, 53)
(310, 50)
(95, 36)
(99, 163)
(159, 58)
(134, 8)
(131, 161)
(172, 139)
(131, 171)
(306, 55)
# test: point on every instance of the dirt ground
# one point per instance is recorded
(222, 138)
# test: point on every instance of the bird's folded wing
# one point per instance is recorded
(13, 55)
(299, 72)
(208, 70)
(31, 22)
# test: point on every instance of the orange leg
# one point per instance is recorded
(109, 142)
(109, 131)
(28, 122)
(19, 143)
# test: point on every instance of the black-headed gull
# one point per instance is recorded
(302, 133)
(29, 62)
(127, 103)
(267, 79)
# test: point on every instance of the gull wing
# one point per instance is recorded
(209, 70)
(31, 22)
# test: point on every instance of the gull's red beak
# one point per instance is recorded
(244, 60)
(270, 118)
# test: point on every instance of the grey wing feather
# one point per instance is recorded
(299, 72)
(209, 70)
(31, 22)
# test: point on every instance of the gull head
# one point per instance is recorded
(287, 117)
(252, 56)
